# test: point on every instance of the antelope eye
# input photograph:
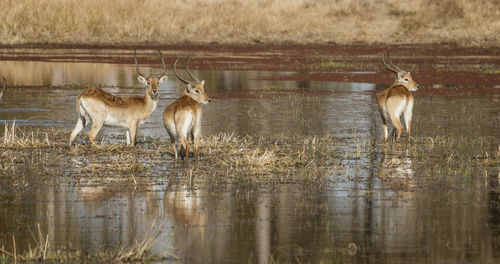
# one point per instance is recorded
(407, 80)
(148, 84)
(197, 91)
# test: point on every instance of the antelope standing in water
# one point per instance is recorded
(4, 87)
(106, 109)
(182, 118)
(397, 99)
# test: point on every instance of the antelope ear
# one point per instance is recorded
(142, 80)
(202, 82)
(163, 78)
(401, 75)
(189, 87)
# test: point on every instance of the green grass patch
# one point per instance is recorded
(331, 65)
(492, 71)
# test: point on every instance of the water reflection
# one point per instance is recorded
(373, 214)
(493, 182)
(396, 169)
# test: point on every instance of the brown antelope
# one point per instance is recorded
(4, 87)
(397, 99)
(106, 109)
(182, 118)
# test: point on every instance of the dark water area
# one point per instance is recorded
(387, 207)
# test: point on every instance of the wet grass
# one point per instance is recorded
(225, 158)
(280, 159)
(235, 159)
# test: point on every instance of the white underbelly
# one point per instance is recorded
(112, 121)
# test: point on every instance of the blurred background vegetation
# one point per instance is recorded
(116, 22)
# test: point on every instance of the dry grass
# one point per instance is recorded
(253, 160)
(14, 137)
(241, 22)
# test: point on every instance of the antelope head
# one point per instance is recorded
(194, 89)
(152, 83)
(403, 77)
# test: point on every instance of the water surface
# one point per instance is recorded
(357, 214)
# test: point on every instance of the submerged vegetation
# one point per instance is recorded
(468, 23)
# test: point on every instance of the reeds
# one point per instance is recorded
(243, 22)
(14, 137)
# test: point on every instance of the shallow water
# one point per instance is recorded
(357, 215)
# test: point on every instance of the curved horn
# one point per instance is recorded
(176, 74)
(164, 66)
(190, 73)
(137, 66)
(4, 87)
(390, 66)
(387, 66)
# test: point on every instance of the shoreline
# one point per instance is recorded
(431, 64)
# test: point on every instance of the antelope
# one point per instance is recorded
(182, 118)
(4, 87)
(397, 99)
(106, 109)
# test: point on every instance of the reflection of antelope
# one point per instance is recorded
(4, 87)
(182, 118)
(397, 99)
(106, 109)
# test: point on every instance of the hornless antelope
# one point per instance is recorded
(397, 99)
(106, 109)
(4, 87)
(182, 118)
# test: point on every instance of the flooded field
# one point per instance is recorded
(315, 182)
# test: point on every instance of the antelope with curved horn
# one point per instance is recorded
(182, 118)
(106, 109)
(4, 87)
(397, 100)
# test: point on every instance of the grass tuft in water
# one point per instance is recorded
(140, 251)
(14, 137)
(251, 160)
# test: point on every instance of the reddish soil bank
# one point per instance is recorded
(429, 64)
